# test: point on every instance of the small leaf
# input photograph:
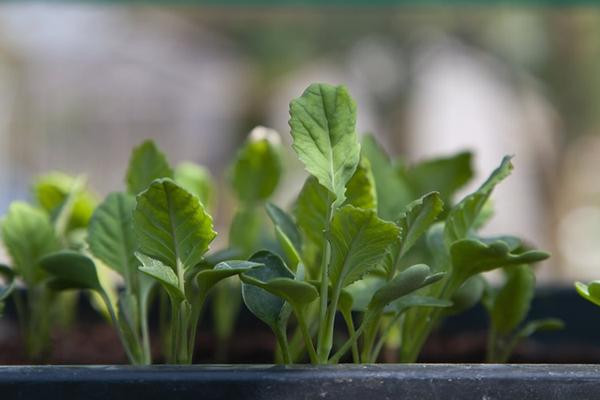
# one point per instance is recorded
(312, 208)
(28, 235)
(467, 295)
(471, 257)
(163, 274)
(111, 237)
(207, 278)
(407, 281)
(286, 225)
(362, 291)
(590, 291)
(266, 306)
(323, 122)
(171, 225)
(407, 302)
(547, 324)
(257, 168)
(416, 218)
(359, 240)
(360, 190)
(146, 164)
(295, 292)
(71, 270)
(464, 215)
(512, 302)
(196, 180)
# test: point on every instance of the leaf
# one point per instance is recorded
(323, 124)
(360, 190)
(111, 237)
(256, 170)
(464, 215)
(407, 302)
(28, 235)
(512, 302)
(163, 274)
(359, 240)
(547, 324)
(297, 293)
(245, 231)
(286, 225)
(146, 164)
(362, 291)
(393, 191)
(444, 175)
(590, 292)
(266, 306)
(416, 218)
(471, 257)
(9, 283)
(171, 225)
(51, 192)
(196, 180)
(312, 209)
(407, 281)
(71, 270)
(467, 295)
(206, 279)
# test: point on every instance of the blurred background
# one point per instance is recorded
(80, 85)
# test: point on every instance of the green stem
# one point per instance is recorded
(115, 321)
(326, 344)
(369, 336)
(281, 336)
(143, 318)
(346, 346)
(310, 348)
(383, 338)
(351, 332)
(324, 348)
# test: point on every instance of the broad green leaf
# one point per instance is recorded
(360, 190)
(462, 218)
(444, 175)
(71, 270)
(111, 237)
(206, 279)
(407, 281)
(286, 224)
(547, 324)
(295, 292)
(28, 235)
(362, 291)
(172, 226)
(52, 191)
(359, 240)
(590, 291)
(163, 274)
(434, 239)
(323, 123)
(197, 180)
(266, 306)
(512, 302)
(312, 208)
(467, 295)
(393, 191)
(416, 218)
(471, 257)
(147, 163)
(257, 168)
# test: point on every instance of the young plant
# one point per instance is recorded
(356, 235)
(508, 307)
(30, 232)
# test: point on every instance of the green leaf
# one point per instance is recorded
(512, 302)
(163, 274)
(467, 295)
(407, 302)
(297, 293)
(444, 175)
(268, 307)
(362, 291)
(206, 279)
(360, 190)
(71, 270)
(9, 282)
(416, 218)
(52, 191)
(323, 122)
(590, 291)
(359, 240)
(245, 231)
(257, 168)
(197, 180)
(28, 235)
(111, 237)
(286, 225)
(471, 257)
(312, 209)
(393, 191)
(547, 324)
(464, 215)
(172, 226)
(146, 164)
(407, 281)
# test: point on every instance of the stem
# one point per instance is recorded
(281, 336)
(310, 348)
(115, 322)
(194, 319)
(323, 347)
(351, 332)
(326, 344)
(340, 353)
(383, 337)
(369, 337)
(143, 318)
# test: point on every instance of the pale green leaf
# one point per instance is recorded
(359, 240)
(147, 163)
(163, 274)
(512, 302)
(547, 324)
(416, 218)
(286, 224)
(467, 295)
(71, 270)
(360, 190)
(312, 209)
(207, 278)
(590, 292)
(197, 180)
(323, 123)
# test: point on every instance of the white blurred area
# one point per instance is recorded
(81, 85)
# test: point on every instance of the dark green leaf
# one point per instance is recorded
(286, 224)
(146, 164)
